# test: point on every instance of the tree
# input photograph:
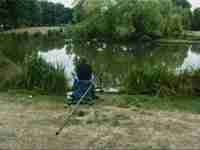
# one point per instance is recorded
(182, 3)
(196, 19)
(3, 13)
(147, 17)
(19, 13)
(121, 19)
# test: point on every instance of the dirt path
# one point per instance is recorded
(33, 126)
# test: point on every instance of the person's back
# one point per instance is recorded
(83, 82)
(84, 71)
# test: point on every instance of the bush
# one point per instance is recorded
(37, 34)
(39, 75)
(8, 72)
(161, 81)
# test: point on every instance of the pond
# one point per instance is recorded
(111, 62)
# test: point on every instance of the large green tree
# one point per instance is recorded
(121, 19)
(196, 19)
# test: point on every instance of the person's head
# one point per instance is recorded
(82, 60)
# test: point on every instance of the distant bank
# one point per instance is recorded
(188, 37)
(32, 30)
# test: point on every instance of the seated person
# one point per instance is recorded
(82, 82)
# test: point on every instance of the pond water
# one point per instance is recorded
(111, 62)
(192, 60)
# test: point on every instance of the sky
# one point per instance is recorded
(195, 3)
(67, 3)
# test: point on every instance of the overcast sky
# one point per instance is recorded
(195, 3)
(65, 2)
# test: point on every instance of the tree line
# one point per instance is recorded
(20, 13)
(105, 17)
(124, 19)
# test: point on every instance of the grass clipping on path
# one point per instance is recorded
(99, 127)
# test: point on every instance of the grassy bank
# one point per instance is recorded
(33, 30)
(192, 35)
(187, 37)
(177, 41)
(187, 104)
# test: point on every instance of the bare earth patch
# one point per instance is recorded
(98, 127)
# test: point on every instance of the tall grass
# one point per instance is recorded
(8, 72)
(39, 75)
(162, 81)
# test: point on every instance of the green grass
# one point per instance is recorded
(170, 103)
(134, 102)
(161, 81)
(28, 97)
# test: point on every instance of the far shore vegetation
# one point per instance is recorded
(133, 20)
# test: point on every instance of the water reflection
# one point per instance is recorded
(59, 57)
(191, 61)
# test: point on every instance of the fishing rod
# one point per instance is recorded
(74, 110)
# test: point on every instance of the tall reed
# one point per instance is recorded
(160, 80)
(39, 75)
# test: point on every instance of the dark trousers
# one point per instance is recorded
(80, 87)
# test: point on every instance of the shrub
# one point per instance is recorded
(161, 81)
(37, 34)
(39, 75)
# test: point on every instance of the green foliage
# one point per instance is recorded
(196, 19)
(182, 3)
(127, 19)
(19, 13)
(172, 26)
(162, 81)
(147, 17)
(39, 75)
